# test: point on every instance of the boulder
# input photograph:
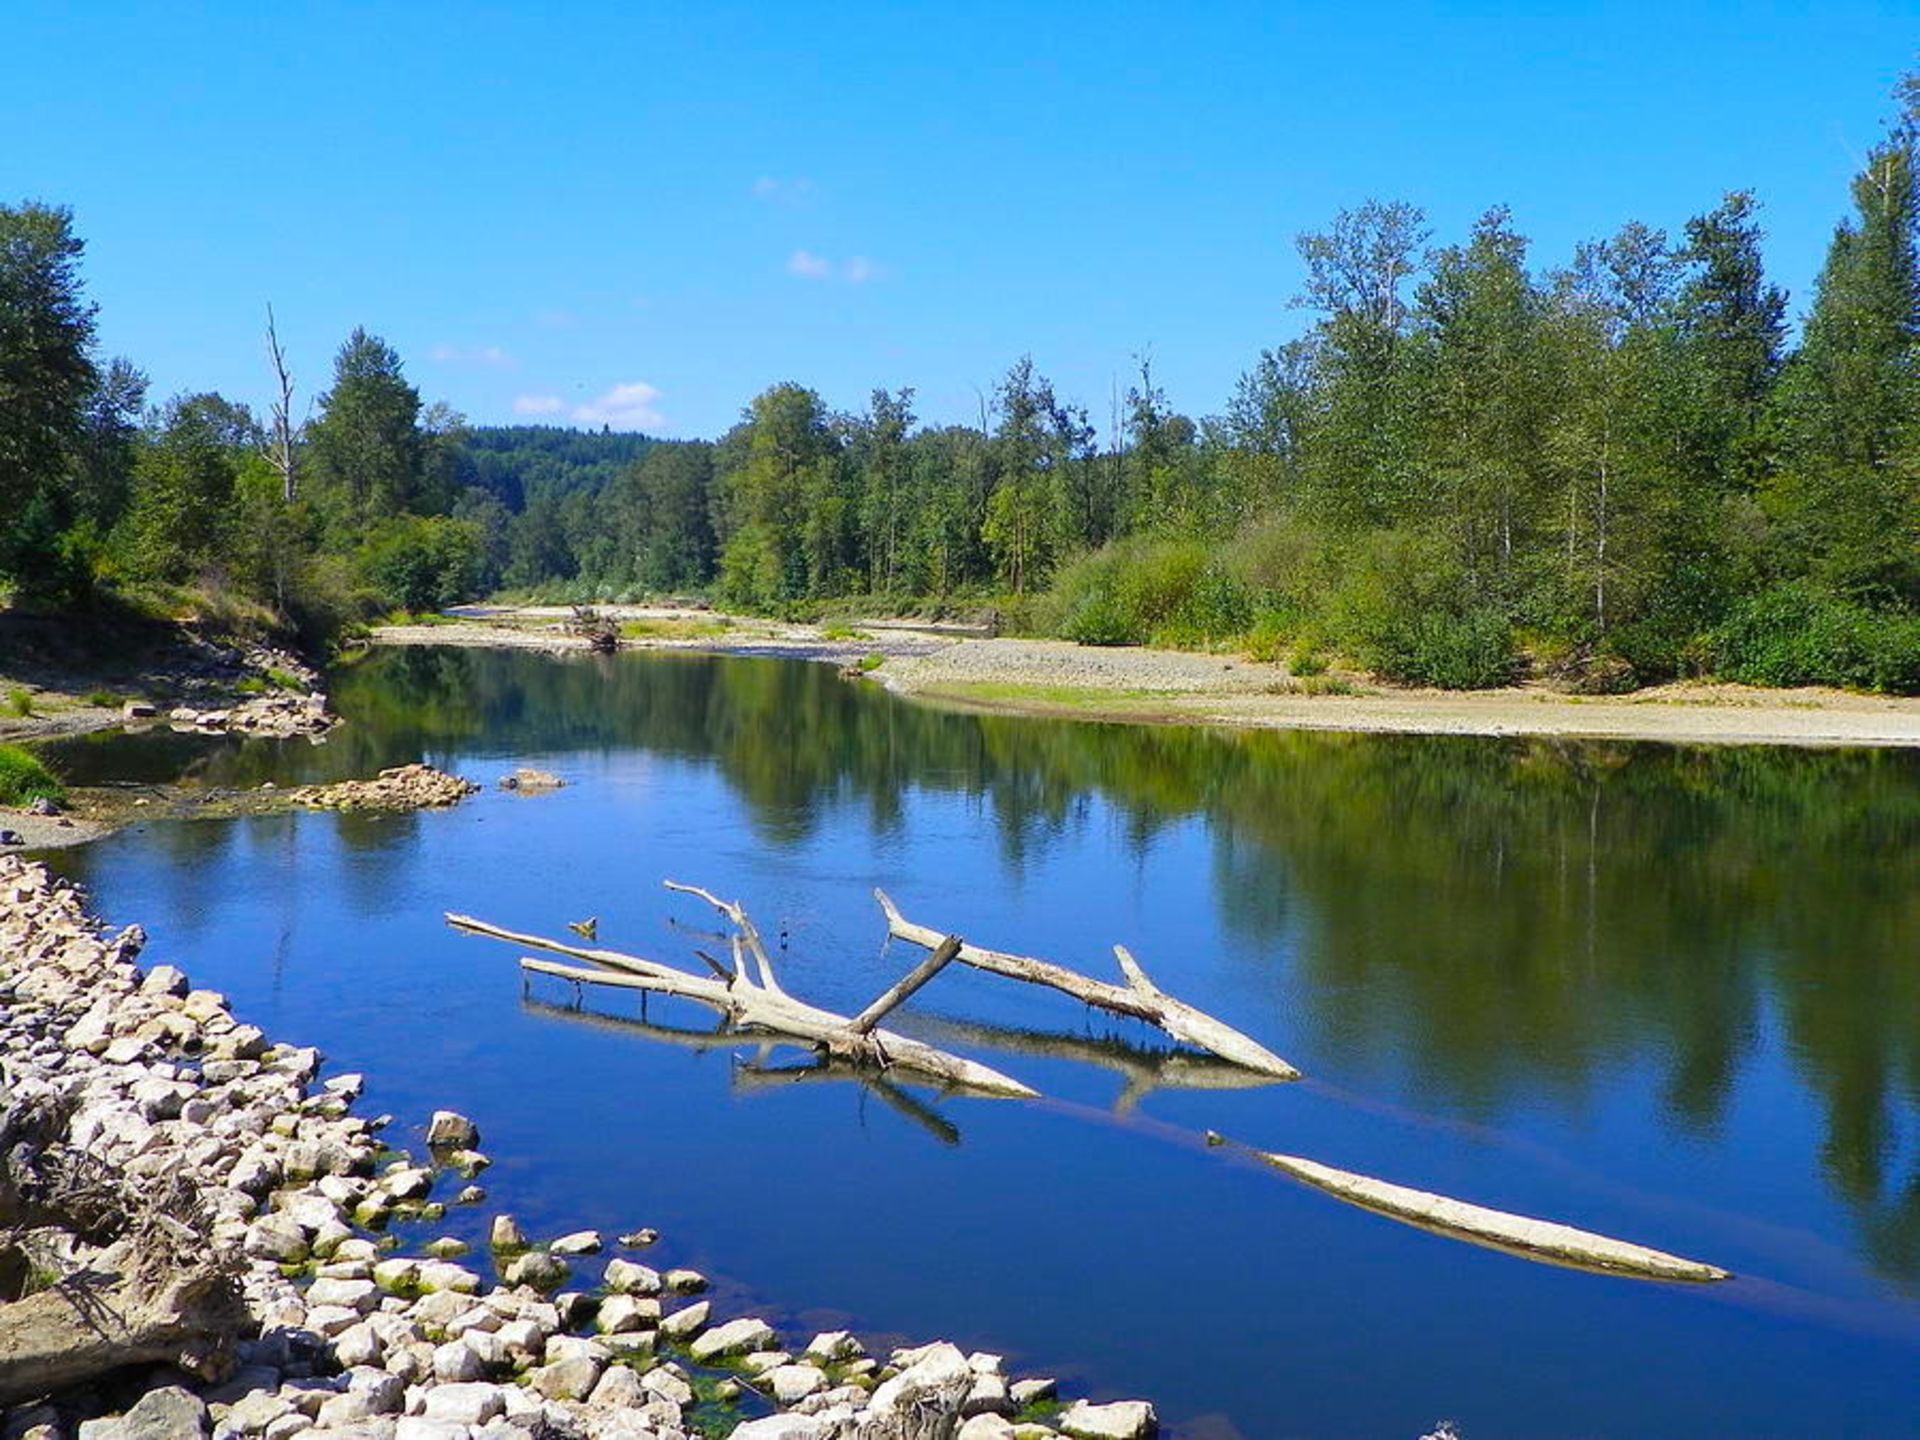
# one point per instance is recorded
(685, 1323)
(623, 1277)
(736, 1337)
(451, 1130)
(467, 1403)
(1121, 1420)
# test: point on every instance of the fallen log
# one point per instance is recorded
(1497, 1229)
(1143, 1071)
(1139, 998)
(88, 1326)
(753, 1003)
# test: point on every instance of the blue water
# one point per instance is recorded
(1668, 994)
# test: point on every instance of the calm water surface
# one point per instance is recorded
(1669, 994)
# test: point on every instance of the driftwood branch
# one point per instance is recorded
(1139, 998)
(742, 923)
(1143, 1070)
(750, 1005)
(900, 990)
(1520, 1235)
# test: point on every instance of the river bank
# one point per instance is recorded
(300, 1288)
(1136, 684)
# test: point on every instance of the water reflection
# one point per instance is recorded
(1500, 923)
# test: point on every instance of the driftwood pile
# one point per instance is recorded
(599, 631)
(752, 1004)
(751, 1001)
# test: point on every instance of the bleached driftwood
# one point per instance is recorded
(1144, 1071)
(89, 1326)
(1139, 998)
(751, 1001)
(1516, 1234)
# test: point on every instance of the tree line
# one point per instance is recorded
(1618, 469)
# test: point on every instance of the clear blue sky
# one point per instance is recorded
(647, 213)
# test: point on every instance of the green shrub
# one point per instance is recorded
(1472, 650)
(104, 699)
(23, 779)
(423, 562)
(1799, 634)
(19, 702)
(1143, 590)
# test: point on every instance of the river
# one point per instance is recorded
(1669, 994)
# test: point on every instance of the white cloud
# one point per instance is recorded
(478, 355)
(782, 191)
(538, 404)
(809, 266)
(625, 407)
(859, 270)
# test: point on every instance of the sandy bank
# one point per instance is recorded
(1048, 677)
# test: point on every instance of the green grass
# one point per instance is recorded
(23, 779)
(19, 702)
(104, 699)
(873, 661)
(673, 629)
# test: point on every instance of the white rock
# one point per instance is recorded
(787, 1427)
(937, 1379)
(736, 1337)
(619, 1389)
(625, 1277)
(791, 1383)
(457, 1361)
(986, 1427)
(362, 1296)
(452, 1130)
(668, 1386)
(1122, 1420)
(580, 1242)
(683, 1323)
(835, 1345)
(469, 1403)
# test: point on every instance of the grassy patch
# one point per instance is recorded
(872, 662)
(23, 779)
(673, 629)
(1059, 696)
(104, 699)
(19, 702)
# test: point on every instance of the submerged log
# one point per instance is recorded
(754, 1003)
(1139, 998)
(1516, 1234)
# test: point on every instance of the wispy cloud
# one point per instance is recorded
(857, 270)
(628, 406)
(809, 266)
(476, 355)
(538, 405)
(782, 192)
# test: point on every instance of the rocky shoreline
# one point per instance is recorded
(284, 1196)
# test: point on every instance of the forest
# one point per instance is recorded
(1470, 468)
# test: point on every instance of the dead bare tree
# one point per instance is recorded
(278, 445)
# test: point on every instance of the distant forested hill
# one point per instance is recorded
(517, 463)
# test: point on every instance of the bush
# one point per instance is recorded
(1800, 634)
(1140, 591)
(423, 562)
(23, 779)
(1406, 610)
(1472, 650)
